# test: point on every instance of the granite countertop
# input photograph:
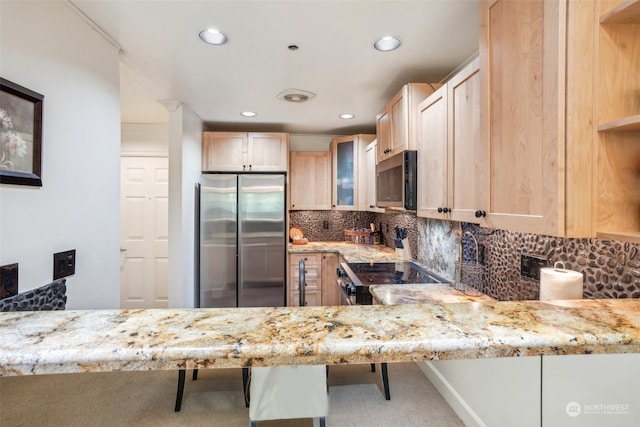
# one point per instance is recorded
(394, 294)
(350, 251)
(425, 293)
(117, 340)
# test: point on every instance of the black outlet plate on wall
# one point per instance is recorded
(530, 266)
(8, 280)
(64, 264)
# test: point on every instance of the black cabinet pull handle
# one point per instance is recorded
(372, 206)
(447, 210)
(440, 210)
(480, 213)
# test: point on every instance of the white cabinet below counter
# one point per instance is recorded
(585, 390)
(591, 390)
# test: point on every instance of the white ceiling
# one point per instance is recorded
(163, 58)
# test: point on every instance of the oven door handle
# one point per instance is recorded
(301, 284)
(343, 293)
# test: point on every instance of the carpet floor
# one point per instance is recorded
(215, 399)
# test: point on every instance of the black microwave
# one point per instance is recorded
(397, 181)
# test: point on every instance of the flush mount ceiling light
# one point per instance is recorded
(296, 95)
(387, 43)
(248, 114)
(347, 116)
(214, 37)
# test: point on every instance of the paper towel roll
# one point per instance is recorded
(558, 283)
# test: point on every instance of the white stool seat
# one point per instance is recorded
(284, 392)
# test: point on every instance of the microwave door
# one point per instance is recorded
(389, 182)
(396, 181)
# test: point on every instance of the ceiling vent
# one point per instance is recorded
(296, 95)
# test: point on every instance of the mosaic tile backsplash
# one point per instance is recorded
(439, 238)
(611, 269)
(311, 223)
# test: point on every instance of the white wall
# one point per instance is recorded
(494, 392)
(45, 47)
(301, 142)
(142, 139)
(185, 165)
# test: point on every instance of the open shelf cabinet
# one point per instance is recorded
(618, 117)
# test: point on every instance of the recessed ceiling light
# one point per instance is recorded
(347, 116)
(212, 36)
(248, 114)
(387, 43)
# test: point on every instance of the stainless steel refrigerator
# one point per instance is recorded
(241, 240)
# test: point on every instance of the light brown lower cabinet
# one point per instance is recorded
(320, 277)
(313, 278)
(330, 291)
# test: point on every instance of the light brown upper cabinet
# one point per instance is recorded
(368, 179)
(452, 171)
(618, 119)
(245, 152)
(347, 154)
(310, 180)
(536, 115)
(396, 127)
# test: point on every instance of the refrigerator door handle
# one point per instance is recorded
(196, 296)
(301, 283)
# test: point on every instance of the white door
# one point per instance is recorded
(144, 231)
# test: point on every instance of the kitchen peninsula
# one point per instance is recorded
(156, 339)
(481, 390)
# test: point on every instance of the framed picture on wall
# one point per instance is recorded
(20, 135)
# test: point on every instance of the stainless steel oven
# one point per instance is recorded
(354, 279)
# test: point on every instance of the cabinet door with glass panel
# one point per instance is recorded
(345, 152)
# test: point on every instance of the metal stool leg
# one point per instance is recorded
(322, 422)
(245, 387)
(385, 381)
(373, 367)
(181, 374)
(179, 393)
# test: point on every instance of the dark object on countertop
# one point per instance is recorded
(401, 233)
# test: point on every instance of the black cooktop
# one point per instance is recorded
(383, 273)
